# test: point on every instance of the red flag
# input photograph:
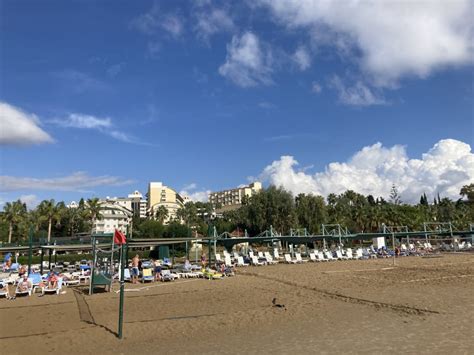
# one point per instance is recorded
(119, 237)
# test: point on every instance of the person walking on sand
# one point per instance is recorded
(203, 260)
(135, 270)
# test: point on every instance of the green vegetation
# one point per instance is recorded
(272, 206)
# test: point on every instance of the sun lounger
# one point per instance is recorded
(320, 256)
(269, 259)
(212, 275)
(147, 275)
(166, 275)
(255, 261)
(329, 257)
(218, 258)
(339, 255)
(228, 261)
(28, 291)
(299, 259)
(349, 254)
(359, 253)
(4, 290)
(240, 261)
(126, 274)
(55, 290)
(289, 260)
(312, 257)
(276, 254)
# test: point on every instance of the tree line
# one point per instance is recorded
(272, 206)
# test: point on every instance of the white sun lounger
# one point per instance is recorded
(255, 261)
(299, 259)
(55, 290)
(288, 259)
(29, 290)
(240, 261)
(312, 257)
(228, 261)
(329, 256)
(339, 255)
(276, 254)
(320, 256)
(269, 259)
(4, 290)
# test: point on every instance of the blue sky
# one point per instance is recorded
(99, 98)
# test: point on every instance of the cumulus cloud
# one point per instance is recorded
(247, 63)
(155, 20)
(443, 170)
(388, 40)
(18, 127)
(31, 201)
(78, 181)
(301, 58)
(210, 21)
(191, 191)
(358, 94)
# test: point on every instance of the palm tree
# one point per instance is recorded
(93, 209)
(13, 213)
(162, 213)
(51, 212)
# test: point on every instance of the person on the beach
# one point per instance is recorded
(22, 271)
(187, 265)
(157, 270)
(135, 270)
(4, 287)
(203, 260)
(24, 284)
(52, 280)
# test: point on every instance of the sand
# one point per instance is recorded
(419, 306)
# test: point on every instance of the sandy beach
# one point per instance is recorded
(420, 305)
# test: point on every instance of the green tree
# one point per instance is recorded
(150, 229)
(161, 214)
(13, 214)
(51, 212)
(311, 212)
(93, 209)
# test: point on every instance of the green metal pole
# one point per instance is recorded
(30, 250)
(123, 253)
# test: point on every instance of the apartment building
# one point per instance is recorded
(113, 216)
(161, 195)
(232, 199)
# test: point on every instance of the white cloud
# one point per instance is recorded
(210, 21)
(247, 63)
(193, 194)
(18, 127)
(80, 82)
(444, 169)
(103, 125)
(316, 87)
(302, 58)
(31, 201)
(357, 95)
(115, 69)
(77, 120)
(78, 181)
(389, 40)
(154, 20)
(267, 105)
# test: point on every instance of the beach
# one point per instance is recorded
(419, 305)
